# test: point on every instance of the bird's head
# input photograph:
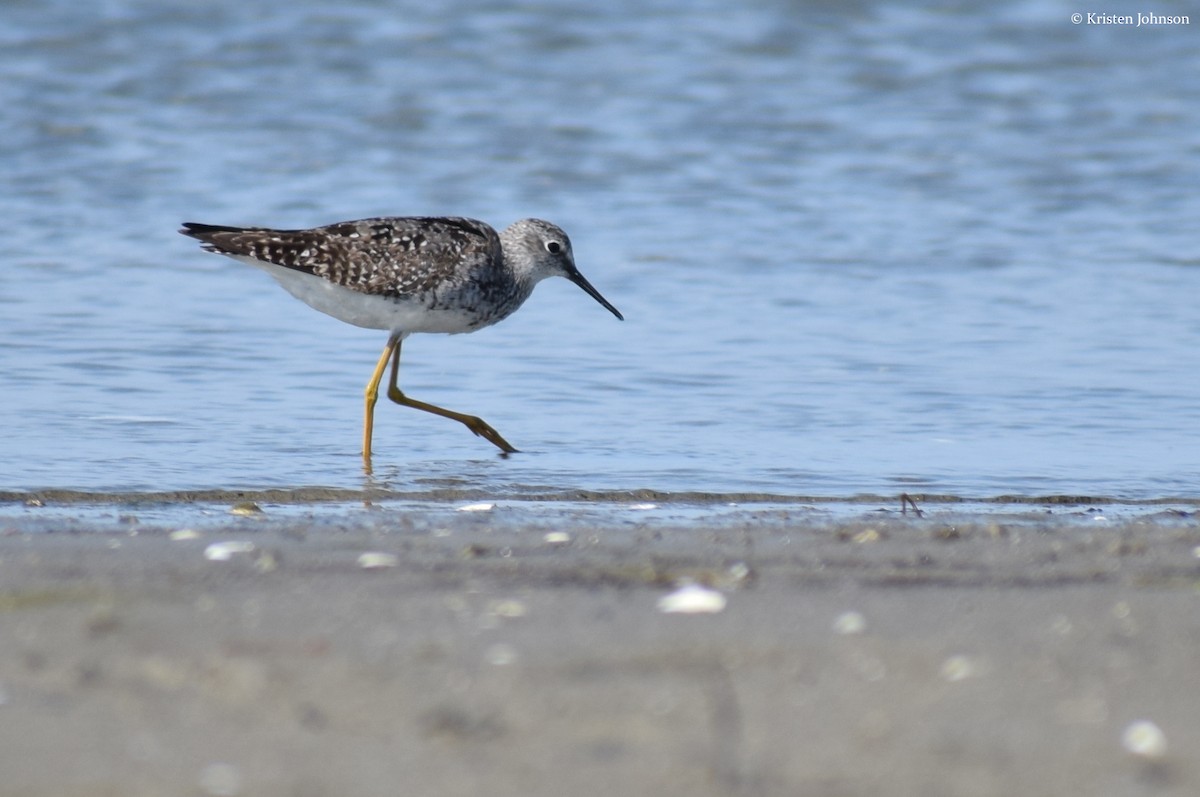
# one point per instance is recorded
(541, 249)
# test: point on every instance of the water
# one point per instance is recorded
(860, 248)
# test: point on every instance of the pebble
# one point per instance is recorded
(507, 608)
(692, 599)
(849, 623)
(500, 655)
(477, 508)
(224, 551)
(957, 668)
(738, 574)
(375, 560)
(1144, 739)
(867, 536)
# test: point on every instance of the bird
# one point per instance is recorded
(407, 274)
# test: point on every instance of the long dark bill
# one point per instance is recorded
(579, 280)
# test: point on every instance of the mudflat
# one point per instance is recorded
(963, 655)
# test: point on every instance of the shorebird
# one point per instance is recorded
(407, 274)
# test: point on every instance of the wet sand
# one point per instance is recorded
(947, 655)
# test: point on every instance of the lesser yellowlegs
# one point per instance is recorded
(406, 275)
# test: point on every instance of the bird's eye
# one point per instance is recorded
(553, 247)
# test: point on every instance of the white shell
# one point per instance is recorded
(692, 599)
(374, 560)
(1144, 738)
(224, 551)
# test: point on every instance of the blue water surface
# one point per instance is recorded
(859, 247)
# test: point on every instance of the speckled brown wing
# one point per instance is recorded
(394, 256)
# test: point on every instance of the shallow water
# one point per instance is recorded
(301, 511)
(859, 248)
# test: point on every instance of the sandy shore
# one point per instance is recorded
(880, 656)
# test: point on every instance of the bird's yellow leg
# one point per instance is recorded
(476, 425)
(372, 395)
